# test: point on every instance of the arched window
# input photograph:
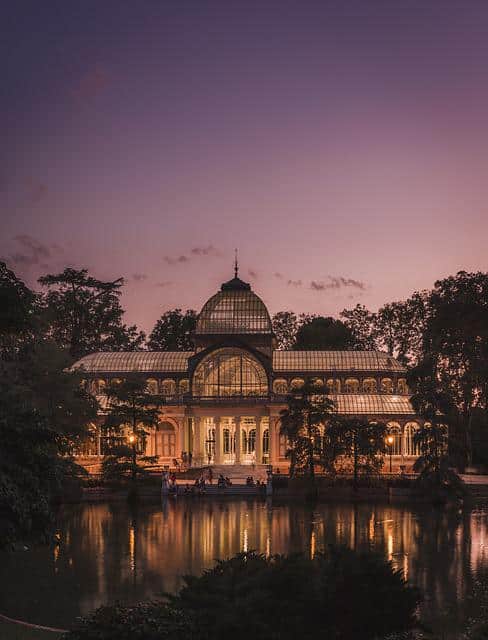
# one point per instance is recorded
(386, 385)
(99, 386)
(297, 383)
(152, 386)
(168, 387)
(412, 448)
(230, 372)
(280, 387)
(184, 386)
(317, 382)
(402, 387)
(369, 385)
(227, 441)
(352, 385)
(333, 386)
(395, 430)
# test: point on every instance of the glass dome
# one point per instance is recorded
(235, 309)
(230, 372)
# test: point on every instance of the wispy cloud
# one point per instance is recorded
(209, 250)
(337, 282)
(177, 260)
(294, 283)
(30, 252)
(253, 274)
(139, 277)
(278, 275)
(164, 283)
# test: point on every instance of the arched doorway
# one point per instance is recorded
(165, 440)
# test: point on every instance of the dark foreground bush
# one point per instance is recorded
(340, 595)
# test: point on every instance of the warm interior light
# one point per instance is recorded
(132, 438)
(390, 440)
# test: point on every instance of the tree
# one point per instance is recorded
(131, 406)
(43, 412)
(173, 331)
(18, 307)
(341, 595)
(357, 440)
(399, 327)
(455, 352)
(321, 333)
(85, 315)
(285, 326)
(361, 323)
(301, 422)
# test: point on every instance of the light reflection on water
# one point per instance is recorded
(109, 552)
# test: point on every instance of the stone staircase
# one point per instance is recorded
(238, 473)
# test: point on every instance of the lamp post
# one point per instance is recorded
(389, 441)
(132, 440)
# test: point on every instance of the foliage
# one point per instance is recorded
(18, 306)
(338, 595)
(173, 331)
(455, 350)
(131, 406)
(356, 440)
(42, 411)
(285, 326)
(360, 322)
(84, 314)
(308, 410)
(319, 333)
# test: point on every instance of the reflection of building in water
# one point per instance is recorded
(108, 552)
(223, 400)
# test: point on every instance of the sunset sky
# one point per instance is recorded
(341, 146)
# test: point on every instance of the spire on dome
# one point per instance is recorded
(236, 265)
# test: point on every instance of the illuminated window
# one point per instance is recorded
(266, 443)
(402, 386)
(99, 386)
(152, 386)
(412, 448)
(230, 372)
(386, 385)
(395, 430)
(280, 387)
(184, 386)
(297, 383)
(333, 386)
(283, 445)
(168, 387)
(352, 385)
(165, 440)
(369, 385)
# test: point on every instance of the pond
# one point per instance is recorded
(108, 552)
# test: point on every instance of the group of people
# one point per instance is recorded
(223, 482)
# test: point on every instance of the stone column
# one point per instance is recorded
(238, 436)
(218, 441)
(259, 440)
(197, 453)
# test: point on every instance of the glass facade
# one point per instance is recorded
(230, 372)
(234, 312)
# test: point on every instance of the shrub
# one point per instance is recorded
(338, 595)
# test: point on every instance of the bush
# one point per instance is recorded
(338, 595)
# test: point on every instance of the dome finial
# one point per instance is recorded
(236, 265)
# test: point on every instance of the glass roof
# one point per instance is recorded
(145, 361)
(234, 311)
(319, 361)
(358, 403)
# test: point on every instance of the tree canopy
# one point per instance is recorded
(84, 314)
(320, 333)
(173, 331)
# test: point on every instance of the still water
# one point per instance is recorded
(109, 552)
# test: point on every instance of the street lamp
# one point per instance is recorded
(389, 441)
(132, 440)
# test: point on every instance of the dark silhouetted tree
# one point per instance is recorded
(321, 333)
(173, 331)
(84, 314)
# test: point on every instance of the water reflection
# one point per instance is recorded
(108, 552)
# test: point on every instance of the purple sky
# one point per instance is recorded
(341, 146)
